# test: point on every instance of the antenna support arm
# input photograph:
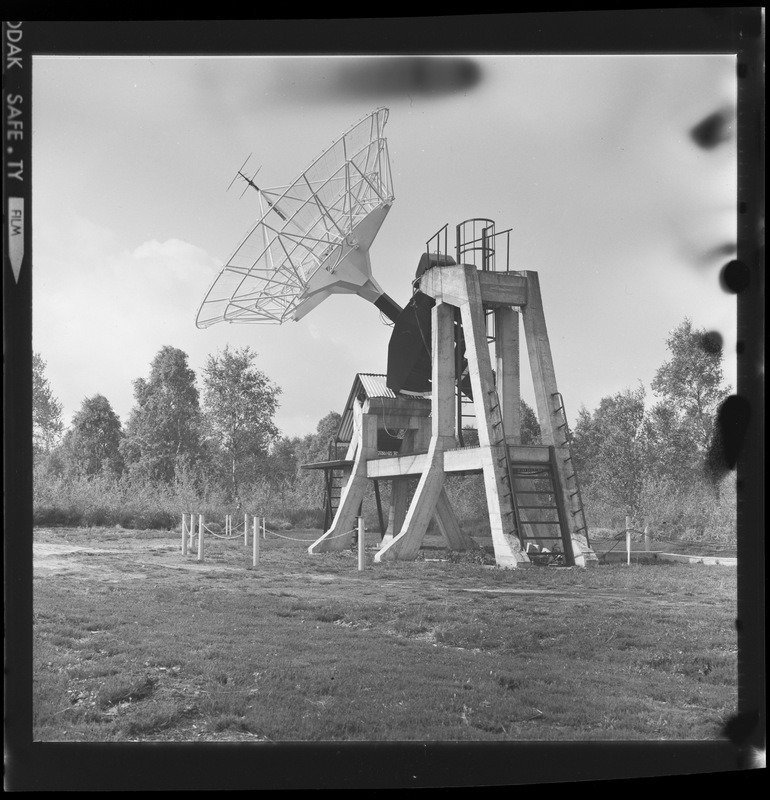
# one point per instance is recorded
(389, 307)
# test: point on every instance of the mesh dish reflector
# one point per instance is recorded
(324, 221)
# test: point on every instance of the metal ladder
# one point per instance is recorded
(512, 522)
(545, 534)
(532, 492)
(335, 480)
(574, 497)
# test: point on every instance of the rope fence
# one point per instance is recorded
(619, 535)
(294, 539)
(192, 536)
(649, 538)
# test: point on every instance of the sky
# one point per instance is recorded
(588, 159)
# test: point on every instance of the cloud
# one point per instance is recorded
(100, 314)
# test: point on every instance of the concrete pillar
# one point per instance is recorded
(340, 535)
(508, 371)
(407, 543)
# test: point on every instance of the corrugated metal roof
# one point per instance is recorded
(367, 385)
(375, 385)
(345, 431)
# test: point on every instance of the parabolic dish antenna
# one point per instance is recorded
(312, 238)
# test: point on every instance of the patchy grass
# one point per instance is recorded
(134, 642)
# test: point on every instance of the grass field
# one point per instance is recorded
(135, 642)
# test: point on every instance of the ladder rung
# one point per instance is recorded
(530, 475)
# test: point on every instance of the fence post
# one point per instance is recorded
(255, 543)
(647, 538)
(184, 534)
(628, 539)
(361, 528)
(264, 528)
(200, 537)
(191, 539)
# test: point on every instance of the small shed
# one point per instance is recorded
(395, 415)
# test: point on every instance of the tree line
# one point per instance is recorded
(185, 448)
(654, 461)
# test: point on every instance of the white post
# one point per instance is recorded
(245, 530)
(647, 538)
(200, 537)
(184, 534)
(361, 529)
(264, 528)
(628, 539)
(255, 543)
(191, 540)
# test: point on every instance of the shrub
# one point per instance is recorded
(703, 512)
(706, 512)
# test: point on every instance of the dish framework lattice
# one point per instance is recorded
(305, 227)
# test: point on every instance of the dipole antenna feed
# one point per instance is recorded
(248, 180)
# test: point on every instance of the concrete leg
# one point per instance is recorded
(340, 535)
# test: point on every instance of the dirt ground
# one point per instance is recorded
(121, 556)
(52, 558)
